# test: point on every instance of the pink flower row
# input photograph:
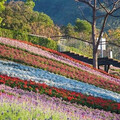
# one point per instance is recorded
(57, 68)
(54, 55)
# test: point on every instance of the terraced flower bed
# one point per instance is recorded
(57, 68)
(55, 55)
(53, 85)
(18, 100)
(78, 98)
(23, 72)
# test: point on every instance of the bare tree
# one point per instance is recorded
(109, 7)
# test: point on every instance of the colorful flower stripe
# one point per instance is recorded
(58, 68)
(22, 108)
(78, 98)
(64, 107)
(40, 51)
(97, 71)
(29, 73)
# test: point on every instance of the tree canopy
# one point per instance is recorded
(83, 26)
(2, 7)
(21, 16)
(81, 29)
(114, 36)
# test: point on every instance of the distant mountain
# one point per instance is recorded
(67, 11)
(61, 11)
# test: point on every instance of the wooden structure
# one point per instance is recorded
(106, 62)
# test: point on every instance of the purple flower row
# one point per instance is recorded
(56, 104)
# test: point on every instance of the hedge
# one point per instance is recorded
(46, 42)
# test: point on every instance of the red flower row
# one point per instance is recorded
(66, 56)
(57, 67)
(78, 98)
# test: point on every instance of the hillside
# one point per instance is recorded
(39, 79)
(37, 82)
(62, 12)
(66, 11)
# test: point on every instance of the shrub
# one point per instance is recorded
(26, 37)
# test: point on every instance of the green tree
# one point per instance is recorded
(114, 36)
(30, 3)
(83, 26)
(20, 16)
(16, 16)
(69, 30)
(45, 19)
(2, 7)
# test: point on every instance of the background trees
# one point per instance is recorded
(83, 26)
(2, 7)
(81, 29)
(114, 36)
(21, 16)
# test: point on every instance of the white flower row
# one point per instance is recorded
(29, 73)
(39, 51)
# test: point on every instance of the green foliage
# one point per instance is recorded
(16, 16)
(69, 30)
(43, 42)
(82, 29)
(21, 16)
(82, 26)
(114, 36)
(30, 3)
(22, 110)
(45, 19)
(2, 7)
(25, 37)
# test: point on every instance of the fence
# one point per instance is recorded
(75, 45)
(85, 48)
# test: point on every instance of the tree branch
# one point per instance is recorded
(114, 6)
(86, 2)
(112, 11)
(104, 22)
(84, 16)
(114, 15)
(106, 6)
(105, 19)
(100, 16)
(103, 7)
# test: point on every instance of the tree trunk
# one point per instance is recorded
(95, 56)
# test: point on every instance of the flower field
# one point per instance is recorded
(73, 97)
(56, 67)
(55, 86)
(13, 69)
(52, 54)
(63, 109)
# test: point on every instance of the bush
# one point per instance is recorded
(26, 37)
(43, 42)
